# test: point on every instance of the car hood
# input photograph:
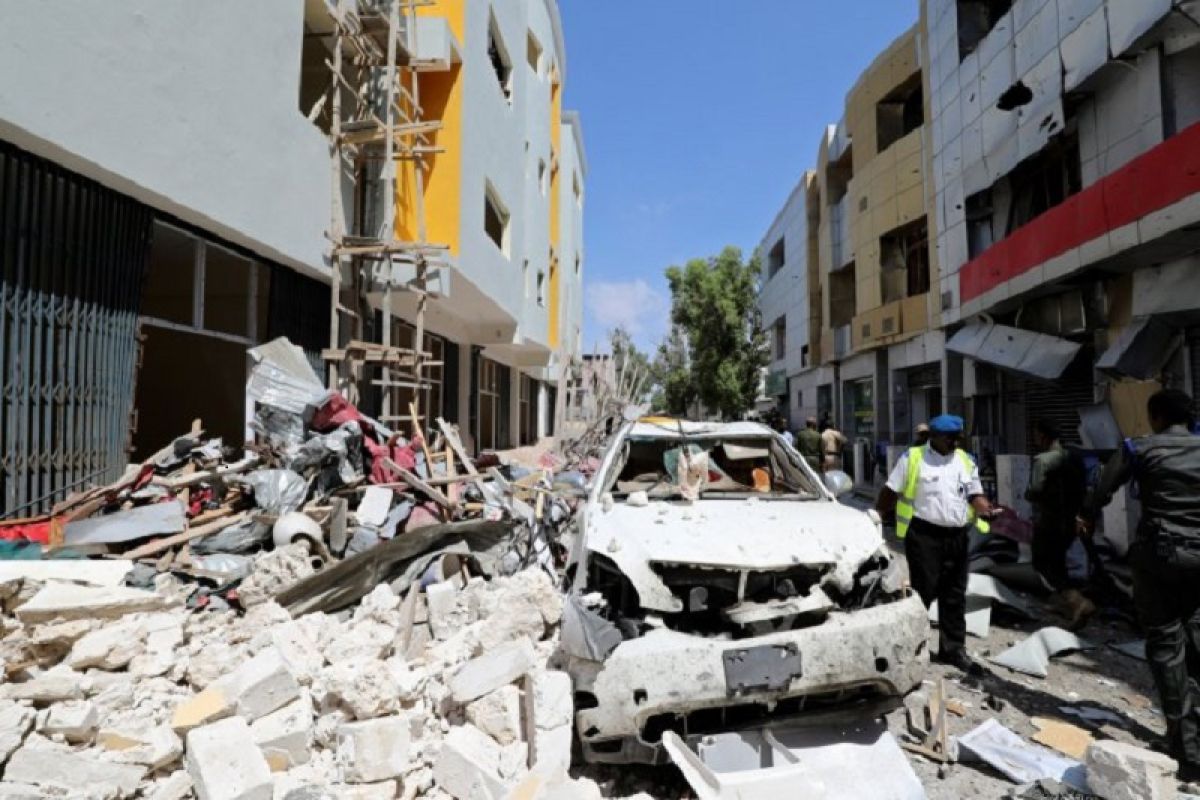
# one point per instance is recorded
(752, 535)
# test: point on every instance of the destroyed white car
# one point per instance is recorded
(718, 585)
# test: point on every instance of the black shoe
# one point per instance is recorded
(960, 661)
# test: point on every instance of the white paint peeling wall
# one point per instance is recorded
(191, 108)
(1053, 47)
(785, 294)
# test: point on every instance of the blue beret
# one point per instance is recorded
(946, 423)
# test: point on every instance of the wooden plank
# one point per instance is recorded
(420, 485)
(154, 548)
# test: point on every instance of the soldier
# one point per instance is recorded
(937, 496)
(809, 444)
(1056, 490)
(1165, 558)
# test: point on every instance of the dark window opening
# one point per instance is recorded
(501, 63)
(495, 221)
(976, 18)
(775, 258)
(905, 261)
(900, 113)
(842, 296)
(779, 338)
(804, 356)
(1045, 180)
(980, 233)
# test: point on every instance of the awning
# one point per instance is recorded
(1141, 350)
(1036, 354)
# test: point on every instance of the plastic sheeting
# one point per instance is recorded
(586, 634)
(277, 491)
(1019, 760)
(242, 537)
(282, 378)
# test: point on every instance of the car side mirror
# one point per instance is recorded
(838, 482)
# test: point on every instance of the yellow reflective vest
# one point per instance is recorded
(904, 505)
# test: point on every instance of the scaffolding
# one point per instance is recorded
(376, 123)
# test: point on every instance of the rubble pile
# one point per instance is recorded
(456, 696)
(335, 610)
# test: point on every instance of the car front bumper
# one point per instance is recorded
(860, 662)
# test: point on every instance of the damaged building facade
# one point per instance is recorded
(166, 203)
(1018, 242)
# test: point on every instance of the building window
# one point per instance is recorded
(578, 263)
(495, 219)
(577, 189)
(541, 287)
(543, 177)
(842, 296)
(527, 411)
(501, 63)
(430, 401)
(904, 254)
(533, 54)
(526, 287)
(900, 113)
(976, 18)
(980, 233)
(775, 258)
(779, 339)
(489, 405)
(804, 356)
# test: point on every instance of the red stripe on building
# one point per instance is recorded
(1154, 180)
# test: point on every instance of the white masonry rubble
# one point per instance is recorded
(119, 693)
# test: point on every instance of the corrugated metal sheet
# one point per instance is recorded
(72, 258)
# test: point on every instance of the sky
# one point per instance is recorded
(699, 117)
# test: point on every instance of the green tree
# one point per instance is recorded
(631, 362)
(714, 303)
(674, 391)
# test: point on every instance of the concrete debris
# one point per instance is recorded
(41, 762)
(285, 735)
(374, 750)
(492, 670)
(109, 572)
(15, 722)
(225, 764)
(468, 765)
(1033, 655)
(1120, 771)
(75, 721)
(498, 714)
(64, 601)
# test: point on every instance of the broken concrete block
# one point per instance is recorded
(213, 704)
(441, 600)
(498, 714)
(468, 765)
(553, 702)
(301, 654)
(15, 722)
(374, 506)
(225, 764)
(176, 786)
(110, 647)
(94, 572)
(52, 686)
(1119, 771)
(552, 748)
(74, 720)
(521, 619)
(155, 746)
(373, 750)
(490, 671)
(362, 640)
(65, 601)
(59, 636)
(78, 774)
(538, 587)
(163, 637)
(384, 790)
(261, 685)
(365, 689)
(24, 791)
(285, 735)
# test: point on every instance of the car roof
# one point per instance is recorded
(669, 428)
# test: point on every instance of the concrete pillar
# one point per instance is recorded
(464, 391)
(543, 409)
(514, 406)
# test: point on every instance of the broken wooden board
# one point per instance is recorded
(1062, 736)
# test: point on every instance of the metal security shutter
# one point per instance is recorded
(1192, 335)
(1058, 401)
(73, 257)
(298, 308)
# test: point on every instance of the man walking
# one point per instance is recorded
(809, 444)
(1056, 491)
(782, 429)
(937, 496)
(1165, 558)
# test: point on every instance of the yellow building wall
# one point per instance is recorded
(441, 97)
(555, 205)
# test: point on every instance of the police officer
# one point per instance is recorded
(937, 496)
(809, 444)
(1165, 558)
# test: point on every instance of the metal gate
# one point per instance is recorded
(72, 258)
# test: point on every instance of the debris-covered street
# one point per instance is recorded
(599, 400)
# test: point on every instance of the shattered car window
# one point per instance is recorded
(667, 468)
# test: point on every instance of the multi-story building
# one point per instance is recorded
(1039, 258)
(166, 202)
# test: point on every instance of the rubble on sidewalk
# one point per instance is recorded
(338, 610)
